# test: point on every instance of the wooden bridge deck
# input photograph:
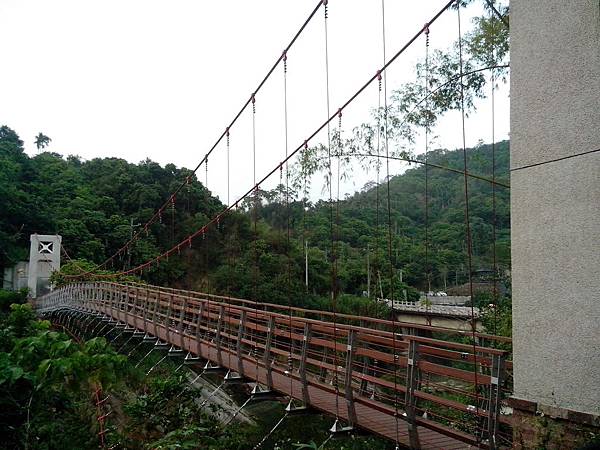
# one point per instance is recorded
(301, 357)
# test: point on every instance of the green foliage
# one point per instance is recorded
(42, 141)
(86, 271)
(7, 298)
(45, 383)
(91, 204)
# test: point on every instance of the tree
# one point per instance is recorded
(42, 141)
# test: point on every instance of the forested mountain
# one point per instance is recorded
(93, 205)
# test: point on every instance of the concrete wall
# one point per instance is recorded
(458, 300)
(15, 278)
(555, 207)
(437, 321)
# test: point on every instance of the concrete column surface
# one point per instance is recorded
(555, 202)
(44, 258)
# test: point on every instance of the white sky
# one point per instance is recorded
(161, 79)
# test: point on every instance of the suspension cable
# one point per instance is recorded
(494, 216)
(230, 258)
(331, 221)
(303, 146)
(389, 219)
(377, 200)
(157, 214)
(255, 237)
(467, 216)
(287, 207)
(427, 266)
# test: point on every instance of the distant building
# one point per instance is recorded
(15, 278)
(44, 258)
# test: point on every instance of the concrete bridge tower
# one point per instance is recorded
(44, 258)
(555, 210)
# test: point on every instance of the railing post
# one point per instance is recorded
(102, 297)
(145, 307)
(411, 387)
(267, 354)
(181, 319)
(198, 335)
(155, 312)
(218, 335)
(350, 350)
(497, 378)
(302, 367)
(241, 333)
(127, 305)
(168, 324)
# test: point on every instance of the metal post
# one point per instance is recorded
(154, 313)
(302, 367)
(350, 350)
(181, 319)
(411, 386)
(168, 324)
(497, 378)
(198, 335)
(241, 332)
(218, 335)
(267, 355)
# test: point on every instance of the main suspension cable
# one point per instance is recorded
(158, 213)
(301, 147)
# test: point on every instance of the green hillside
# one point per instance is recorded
(93, 204)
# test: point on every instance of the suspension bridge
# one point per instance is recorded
(418, 385)
(356, 369)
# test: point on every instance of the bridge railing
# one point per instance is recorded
(483, 339)
(455, 388)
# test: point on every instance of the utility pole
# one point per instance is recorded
(306, 264)
(131, 228)
(368, 273)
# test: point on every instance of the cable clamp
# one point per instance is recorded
(426, 28)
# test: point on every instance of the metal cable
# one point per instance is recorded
(268, 435)
(255, 239)
(494, 216)
(467, 215)
(359, 91)
(288, 240)
(214, 146)
(331, 220)
(389, 219)
(427, 267)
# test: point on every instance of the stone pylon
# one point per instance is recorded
(44, 258)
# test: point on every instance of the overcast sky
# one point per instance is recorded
(161, 79)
